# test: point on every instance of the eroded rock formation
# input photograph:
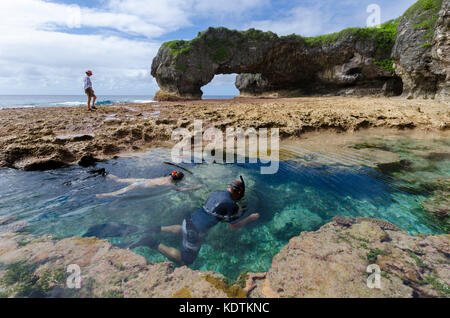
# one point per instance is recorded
(409, 55)
(332, 262)
(422, 51)
(352, 61)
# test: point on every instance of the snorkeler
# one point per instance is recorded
(219, 207)
(173, 181)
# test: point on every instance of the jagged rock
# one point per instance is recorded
(333, 261)
(330, 262)
(37, 267)
(441, 52)
(421, 52)
(252, 85)
(87, 161)
(44, 164)
(349, 61)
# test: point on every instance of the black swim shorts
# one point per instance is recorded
(192, 242)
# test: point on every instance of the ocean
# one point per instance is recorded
(30, 101)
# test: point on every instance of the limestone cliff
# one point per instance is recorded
(409, 55)
(355, 60)
(422, 51)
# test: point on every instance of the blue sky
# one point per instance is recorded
(45, 46)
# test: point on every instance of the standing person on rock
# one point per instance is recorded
(89, 91)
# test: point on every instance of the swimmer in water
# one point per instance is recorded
(174, 180)
(219, 207)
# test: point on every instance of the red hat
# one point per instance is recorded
(89, 72)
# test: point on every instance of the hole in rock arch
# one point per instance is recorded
(221, 87)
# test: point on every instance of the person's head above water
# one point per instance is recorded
(237, 189)
(89, 73)
(177, 175)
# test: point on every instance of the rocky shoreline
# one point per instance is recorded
(54, 137)
(330, 262)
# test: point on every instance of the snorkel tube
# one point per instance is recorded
(242, 187)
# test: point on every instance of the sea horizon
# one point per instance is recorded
(37, 101)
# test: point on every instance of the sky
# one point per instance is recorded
(46, 46)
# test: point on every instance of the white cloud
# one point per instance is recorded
(300, 20)
(36, 56)
(41, 50)
(41, 53)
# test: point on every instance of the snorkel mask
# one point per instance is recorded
(239, 186)
(177, 176)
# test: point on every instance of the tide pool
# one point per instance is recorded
(309, 189)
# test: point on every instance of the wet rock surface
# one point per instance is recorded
(37, 267)
(30, 138)
(330, 262)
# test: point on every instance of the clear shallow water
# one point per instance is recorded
(309, 189)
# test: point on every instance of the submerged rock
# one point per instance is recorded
(87, 161)
(396, 166)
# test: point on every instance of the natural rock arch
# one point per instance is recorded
(356, 58)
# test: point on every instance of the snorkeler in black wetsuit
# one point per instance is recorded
(219, 207)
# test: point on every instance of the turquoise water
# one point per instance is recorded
(308, 190)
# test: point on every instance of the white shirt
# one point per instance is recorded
(87, 82)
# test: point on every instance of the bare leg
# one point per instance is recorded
(173, 229)
(171, 253)
(116, 193)
(93, 103)
(89, 102)
(129, 181)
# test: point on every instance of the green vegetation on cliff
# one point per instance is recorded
(385, 35)
(424, 14)
(386, 64)
(218, 46)
(178, 47)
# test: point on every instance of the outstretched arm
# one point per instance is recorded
(191, 188)
(240, 224)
